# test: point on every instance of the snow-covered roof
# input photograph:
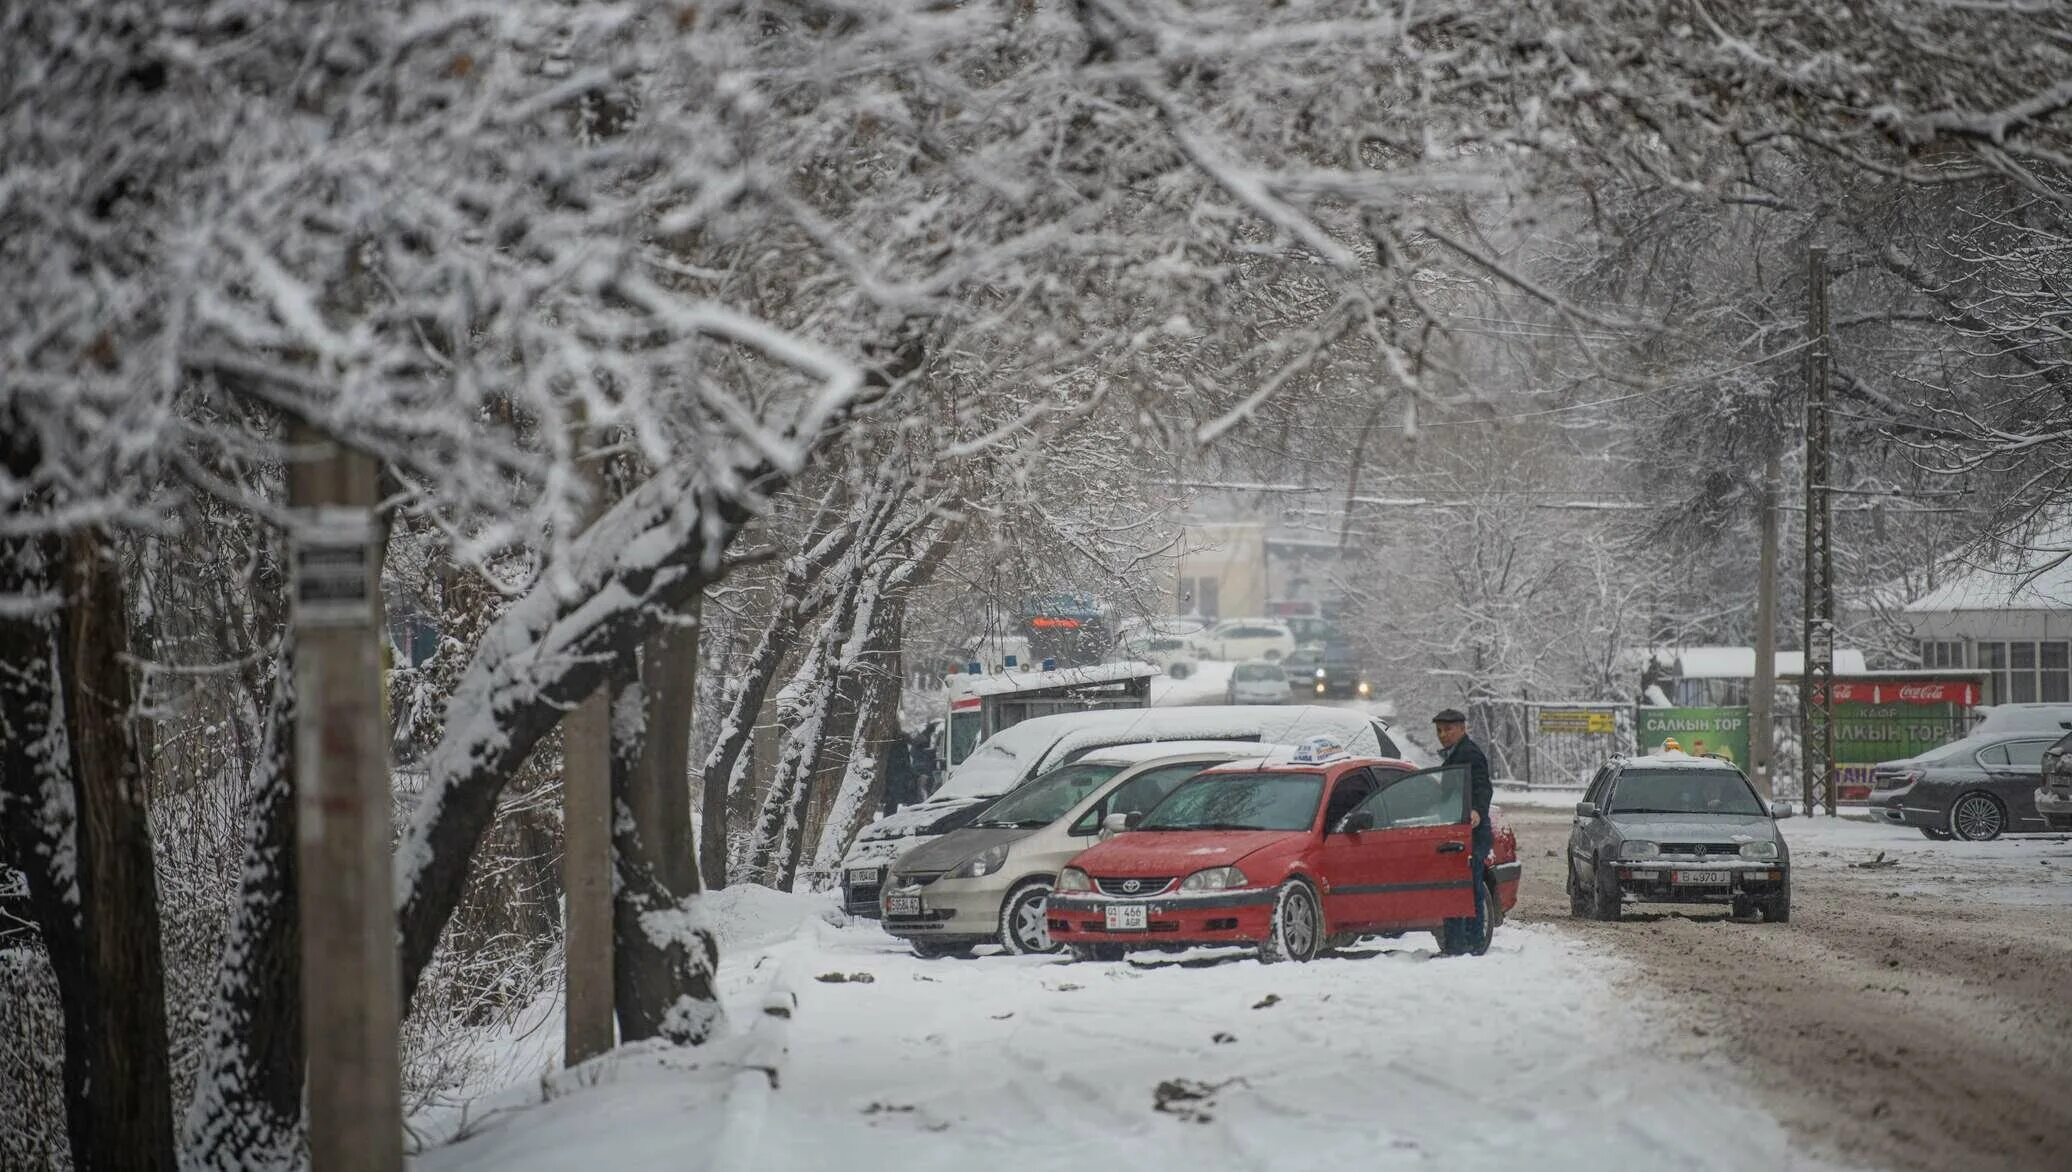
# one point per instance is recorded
(1738, 663)
(2031, 584)
(1004, 683)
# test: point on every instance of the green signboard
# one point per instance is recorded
(1719, 731)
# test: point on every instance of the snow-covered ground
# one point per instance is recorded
(1389, 1058)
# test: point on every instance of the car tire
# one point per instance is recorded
(1024, 929)
(1933, 835)
(1086, 953)
(1605, 903)
(1743, 908)
(1272, 657)
(1179, 670)
(1977, 817)
(1579, 903)
(939, 949)
(1297, 931)
(1777, 908)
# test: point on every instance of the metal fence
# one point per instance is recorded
(1551, 743)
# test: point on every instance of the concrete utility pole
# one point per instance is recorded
(586, 868)
(1762, 739)
(1816, 689)
(351, 980)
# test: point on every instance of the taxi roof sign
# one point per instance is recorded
(1320, 749)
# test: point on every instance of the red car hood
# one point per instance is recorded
(1175, 853)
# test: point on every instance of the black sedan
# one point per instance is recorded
(1677, 829)
(1330, 670)
(1977, 789)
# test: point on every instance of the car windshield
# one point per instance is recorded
(1683, 791)
(1259, 673)
(1240, 801)
(1049, 797)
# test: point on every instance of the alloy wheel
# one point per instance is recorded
(1299, 924)
(1027, 927)
(1976, 818)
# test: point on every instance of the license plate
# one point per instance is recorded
(1704, 878)
(1128, 917)
(903, 905)
(863, 875)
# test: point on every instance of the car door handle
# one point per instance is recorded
(1452, 848)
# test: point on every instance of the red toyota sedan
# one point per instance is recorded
(1294, 858)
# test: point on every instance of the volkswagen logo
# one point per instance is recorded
(1130, 886)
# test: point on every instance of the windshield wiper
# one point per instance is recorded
(1615, 813)
(1003, 824)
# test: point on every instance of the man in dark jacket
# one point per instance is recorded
(1451, 725)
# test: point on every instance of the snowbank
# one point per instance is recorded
(2027, 869)
(747, 916)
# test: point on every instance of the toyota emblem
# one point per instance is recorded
(1131, 885)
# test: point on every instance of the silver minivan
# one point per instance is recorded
(990, 881)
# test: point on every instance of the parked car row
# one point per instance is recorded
(1174, 845)
(1014, 756)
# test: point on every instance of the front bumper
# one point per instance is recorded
(2054, 806)
(963, 909)
(1657, 881)
(1224, 917)
(864, 870)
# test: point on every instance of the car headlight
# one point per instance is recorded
(1637, 848)
(1758, 850)
(1320, 673)
(1366, 689)
(1073, 879)
(1215, 879)
(981, 864)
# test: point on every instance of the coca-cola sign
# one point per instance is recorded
(1905, 692)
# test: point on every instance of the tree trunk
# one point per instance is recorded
(877, 721)
(726, 766)
(655, 549)
(39, 821)
(665, 956)
(247, 1107)
(129, 1093)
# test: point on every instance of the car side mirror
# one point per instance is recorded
(1782, 809)
(1586, 809)
(1118, 822)
(1356, 822)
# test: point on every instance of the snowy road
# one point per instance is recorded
(1526, 1059)
(1916, 1013)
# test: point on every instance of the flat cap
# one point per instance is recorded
(1450, 716)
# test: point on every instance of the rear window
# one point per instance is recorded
(1256, 633)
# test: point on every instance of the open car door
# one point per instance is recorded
(1402, 856)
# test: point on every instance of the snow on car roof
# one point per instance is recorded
(1675, 760)
(1003, 683)
(1283, 758)
(1140, 751)
(1004, 758)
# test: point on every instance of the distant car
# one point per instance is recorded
(1018, 753)
(1241, 639)
(1258, 682)
(2054, 798)
(1976, 789)
(1672, 828)
(1291, 856)
(988, 882)
(1332, 669)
